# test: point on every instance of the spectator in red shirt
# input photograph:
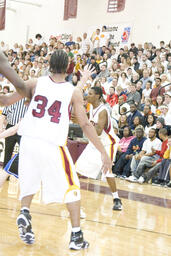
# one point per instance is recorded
(112, 97)
(157, 90)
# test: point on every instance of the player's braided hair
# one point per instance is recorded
(58, 62)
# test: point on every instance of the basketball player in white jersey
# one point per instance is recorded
(45, 126)
(100, 117)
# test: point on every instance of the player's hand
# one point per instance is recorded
(87, 71)
(106, 163)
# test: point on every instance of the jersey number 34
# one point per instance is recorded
(53, 110)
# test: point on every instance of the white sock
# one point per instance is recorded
(25, 208)
(76, 229)
(115, 195)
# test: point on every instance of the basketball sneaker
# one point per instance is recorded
(77, 241)
(117, 204)
(25, 227)
(169, 184)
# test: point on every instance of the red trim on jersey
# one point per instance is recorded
(108, 129)
(55, 81)
(69, 110)
(93, 115)
(67, 167)
(111, 151)
(112, 139)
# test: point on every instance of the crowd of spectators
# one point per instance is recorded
(136, 84)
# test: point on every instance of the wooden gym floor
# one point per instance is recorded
(142, 228)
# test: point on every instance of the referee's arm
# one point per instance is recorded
(2, 121)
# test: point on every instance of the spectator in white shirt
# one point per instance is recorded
(104, 37)
(146, 92)
(96, 42)
(39, 40)
(167, 100)
(86, 44)
(165, 114)
(144, 60)
(146, 157)
(123, 80)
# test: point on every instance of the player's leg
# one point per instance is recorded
(30, 180)
(112, 184)
(10, 168)
(77, 241)
(24, 221)
(72, 199)
(9, 147)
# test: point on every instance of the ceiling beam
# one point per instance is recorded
(11, 9)
(24, 2)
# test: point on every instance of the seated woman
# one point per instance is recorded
(137, 121)
(122, 124)
(151, 123)
(159, 102)
(124, 142)
(123, 111)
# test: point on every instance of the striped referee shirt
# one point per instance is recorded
(15, 112)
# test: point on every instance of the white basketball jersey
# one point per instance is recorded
(108, 136)
(47, 117)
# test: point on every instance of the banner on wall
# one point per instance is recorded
(120, 34)
(2, 14)
(63, 37)
(70, 9)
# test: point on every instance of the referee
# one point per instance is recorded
(12, 115)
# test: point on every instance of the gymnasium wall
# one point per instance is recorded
(149, 18)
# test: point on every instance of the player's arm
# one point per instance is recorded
(86, 73)
(102, 121)
(10, 98)
(88, 129)
(12, 76)
(9, 132)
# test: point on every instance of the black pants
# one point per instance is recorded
(122, 166)
(9, 145)
(164, 170)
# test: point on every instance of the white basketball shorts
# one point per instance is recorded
(89, 163)
(44, 164)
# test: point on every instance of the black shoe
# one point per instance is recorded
(25, 228)
(169, 184)
(117, 204)
(123, 177)
(163, 183)
(77, 241)
(156, 182)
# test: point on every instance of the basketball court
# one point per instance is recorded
(142, 228)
